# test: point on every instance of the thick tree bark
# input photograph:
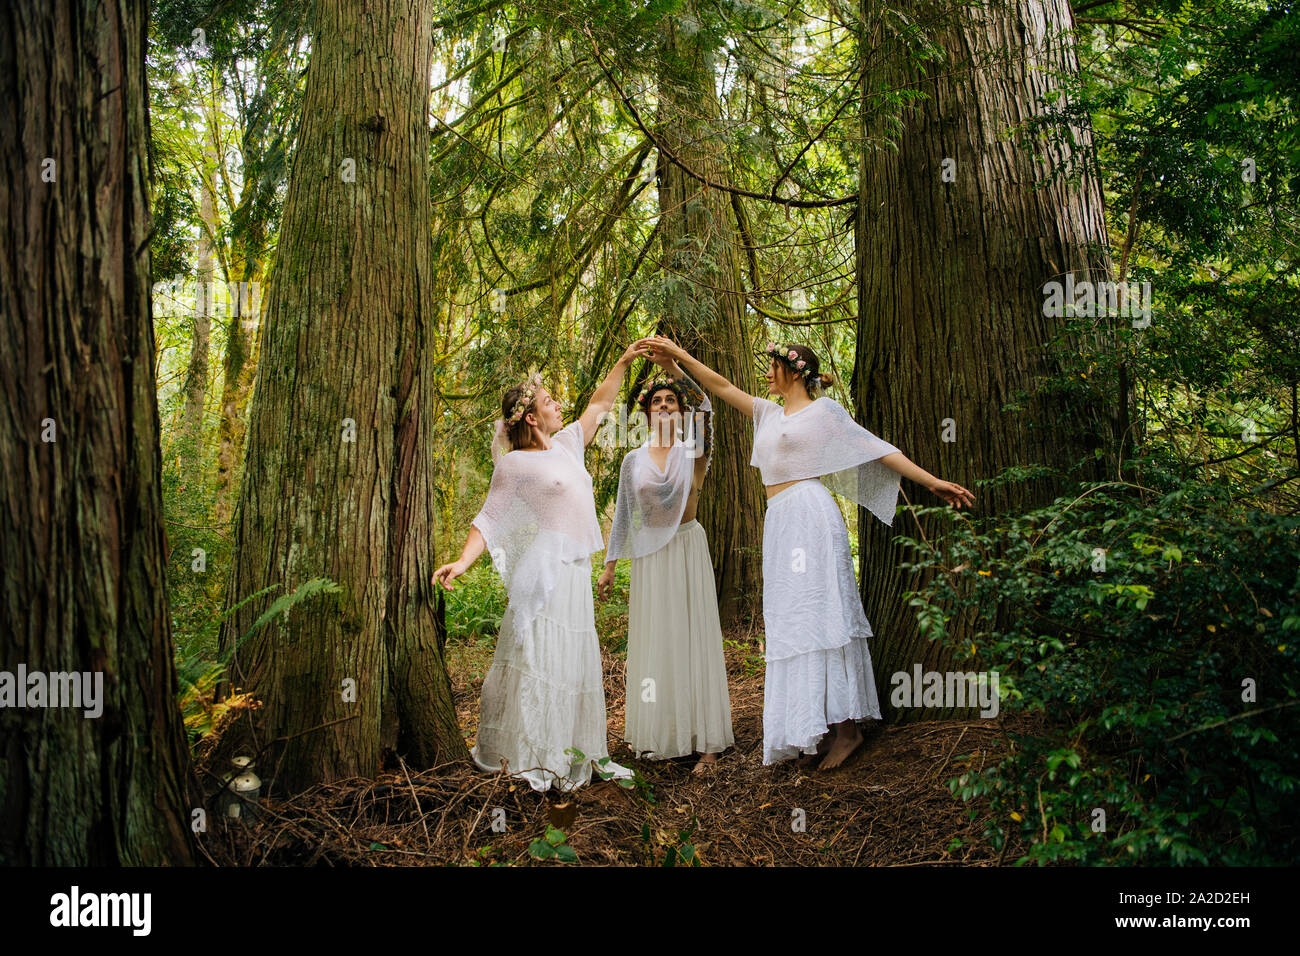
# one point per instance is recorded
(950, 306)
(338, 481)
(84, 584)
(705, 313)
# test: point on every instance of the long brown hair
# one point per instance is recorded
(520, 433)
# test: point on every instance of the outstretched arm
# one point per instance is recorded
(738, 398)
(602, 400)
(954, 494)
(474, 546)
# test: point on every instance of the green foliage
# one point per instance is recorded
(552, 846)
(476, 605)
(754, 661)
(642, 788)
(1133, 618)
(485, 856)
(678, 851)
(602, 770)
(1194, 109)
(611, 614)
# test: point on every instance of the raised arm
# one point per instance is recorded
(700, 399)
(694, 390)
(602, 400)
(737, 398)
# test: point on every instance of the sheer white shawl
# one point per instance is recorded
(651, 502)
(540, 513)
(823, 441)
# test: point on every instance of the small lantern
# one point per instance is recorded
(242, 790)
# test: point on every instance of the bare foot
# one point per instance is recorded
(705, 761)
(846, 740)
(823, 748)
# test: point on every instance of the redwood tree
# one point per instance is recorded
(338, 479)
(959, 228)
(84, 552)
(706, 312)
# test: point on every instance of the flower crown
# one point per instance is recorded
(790, 358)
(652, 386)
(530, 389)
(687, 394)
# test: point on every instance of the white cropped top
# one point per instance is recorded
(823, 441)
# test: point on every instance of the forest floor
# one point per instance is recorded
(889, 804)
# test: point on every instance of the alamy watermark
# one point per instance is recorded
(619, 429)
(171, 298)
(1094, 299)
(23, 688)
(75, 909)
(948, 689)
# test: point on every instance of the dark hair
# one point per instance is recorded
(673, 387)
(684, 404)
(813, 377)
(520, 433)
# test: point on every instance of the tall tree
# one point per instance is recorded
(338, 481)
(237, 366)
(705, 311)
(84, 587)
(960, 227)
(196, 373)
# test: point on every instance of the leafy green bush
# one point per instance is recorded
(476, 604)
(552, 846)
(1137, 619)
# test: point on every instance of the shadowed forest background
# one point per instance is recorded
(368, 220)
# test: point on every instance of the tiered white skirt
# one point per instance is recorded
(818, 665)
(544, 692)
(676, 695)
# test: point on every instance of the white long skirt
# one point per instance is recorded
(818, 666)
(676, 696)
(544, 692)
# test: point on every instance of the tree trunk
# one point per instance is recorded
(952, 274)
(196, 374)
(705, 310)
(236, 385)
(84, 549)
(338, 481)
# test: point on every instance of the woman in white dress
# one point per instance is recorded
(818, 680)
(544, 692)
(676, 700)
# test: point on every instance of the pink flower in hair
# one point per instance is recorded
(800, 364)
(793, 355)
